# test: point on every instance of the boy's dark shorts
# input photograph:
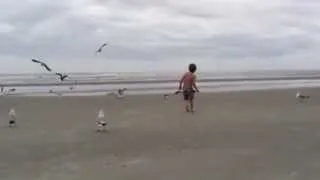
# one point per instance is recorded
(188, 94)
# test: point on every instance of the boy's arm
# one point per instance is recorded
(181, 80)
(194, 84)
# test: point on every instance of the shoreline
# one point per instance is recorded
(99, 94)
(160, 81)
(151, 87)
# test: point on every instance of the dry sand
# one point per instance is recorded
(261, 135)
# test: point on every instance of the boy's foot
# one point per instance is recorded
(187, 109)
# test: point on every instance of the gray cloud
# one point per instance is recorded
(158, 32)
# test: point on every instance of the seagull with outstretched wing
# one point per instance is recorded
(119, 94)
(42, 64)
(62, 76)
(101, 48)
(166, 96)
(5, 92)
(121, 91)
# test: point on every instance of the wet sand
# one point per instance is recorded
(263, 135)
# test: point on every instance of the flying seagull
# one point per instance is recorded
(166, 96)
(121, 91)
(12, 90)
(7, 92)
(177, 92)
(51, 91)
(101, 47)
(42, 64)
(62, 76)
(119, 94)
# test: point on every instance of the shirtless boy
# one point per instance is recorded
(189, 87)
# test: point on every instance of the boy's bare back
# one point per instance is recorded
(188, 80)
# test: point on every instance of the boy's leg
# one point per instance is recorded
(187, 106)
(191, 97)
(191, 105)
(186, 100)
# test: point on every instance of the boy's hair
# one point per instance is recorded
(192, 67)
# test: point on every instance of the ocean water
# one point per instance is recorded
(89, 84)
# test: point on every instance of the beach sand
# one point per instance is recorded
(257, 135)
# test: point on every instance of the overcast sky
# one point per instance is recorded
(159, 34)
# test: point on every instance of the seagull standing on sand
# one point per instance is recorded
(62, 76)
(301, 97)
(12, 117)
(101, 121)
(166, 96)
(101, 48)
(42, 64)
